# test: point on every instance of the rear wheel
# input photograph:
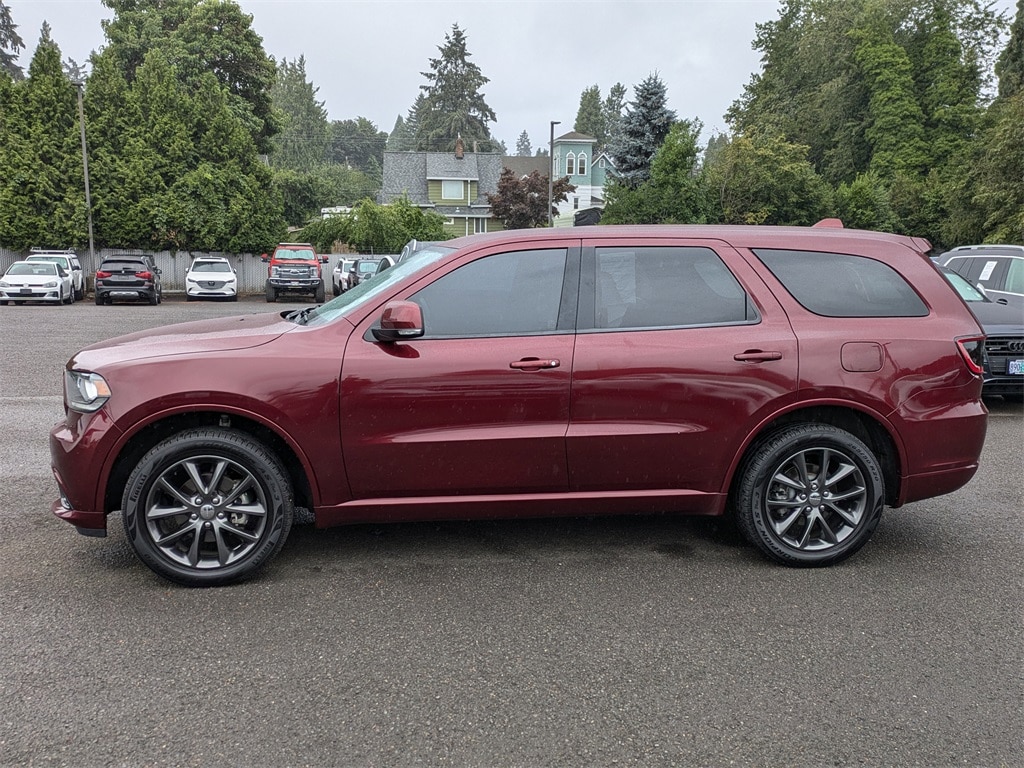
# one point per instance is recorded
(809, 495)
(207, 507)
(154, 299)
(98, 300)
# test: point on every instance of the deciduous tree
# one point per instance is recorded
(522, 203)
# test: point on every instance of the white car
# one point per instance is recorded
(211, 277)
(340, 279)
(69, 261)
(36, 281)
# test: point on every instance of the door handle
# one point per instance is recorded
(757, 356)
(533, 364)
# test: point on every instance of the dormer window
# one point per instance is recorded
(452, 190)
(570, 164)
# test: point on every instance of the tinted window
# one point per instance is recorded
(123, 266)
(839, 285)
(1015, 276)
(508, 294)
(651, 287)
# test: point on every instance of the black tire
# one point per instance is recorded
(80, 294)
(271, 294)
(207, 507)
(783, 506)
(321, 294)
(98, 300)
(335, 290)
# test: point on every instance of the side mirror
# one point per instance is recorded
(399, 320)
(264, 257)
(323, 259)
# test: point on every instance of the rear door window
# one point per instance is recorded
(840, 285)
(665, 287)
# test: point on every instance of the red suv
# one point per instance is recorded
(796, 378)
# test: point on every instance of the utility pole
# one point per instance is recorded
(551, 172)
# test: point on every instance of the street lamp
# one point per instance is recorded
(85, 169)
(551, 172)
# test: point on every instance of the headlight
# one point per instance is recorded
(85, 392)
(51, 284)
(275, 271)
(4, 284)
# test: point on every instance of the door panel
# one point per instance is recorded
(663, 406)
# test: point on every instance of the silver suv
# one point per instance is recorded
(999, 269)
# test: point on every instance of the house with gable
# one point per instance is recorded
(453, 184)
(573, 156)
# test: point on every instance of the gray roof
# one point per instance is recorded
(406, 173)
(524, 166)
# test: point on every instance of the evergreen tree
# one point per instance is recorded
(398, 139)
(523, 146)
(643, 129)
(1010, 67)
(305, 138)
(453, 106)
(358, 144)
(200, 37)
(10, 43)
(611, 110)
(42, 195)
(675, 193)
(590, 118)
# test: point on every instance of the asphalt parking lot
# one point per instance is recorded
(568, 642)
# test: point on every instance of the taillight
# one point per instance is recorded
(100, 274)
(972, 350)
(146, 275)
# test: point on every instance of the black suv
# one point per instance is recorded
(133, 277)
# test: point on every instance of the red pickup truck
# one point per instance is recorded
(295, 268)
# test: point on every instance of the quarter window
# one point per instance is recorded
(840, 285)
(663, 287)
(507, 294)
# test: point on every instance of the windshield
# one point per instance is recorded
(211, 266)
(963, 286)
(37, 268)
(369, 290)
(301, 254)
(62, 260)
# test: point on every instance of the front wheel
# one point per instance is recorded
(271, 293)
(809, 495)
(321, 295)
(207, 507)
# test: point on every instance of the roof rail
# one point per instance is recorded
(37, 249)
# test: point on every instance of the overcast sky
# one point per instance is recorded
(366, 56)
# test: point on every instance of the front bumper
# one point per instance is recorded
(33, 294)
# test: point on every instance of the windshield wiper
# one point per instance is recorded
(299, 315)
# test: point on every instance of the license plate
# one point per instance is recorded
(1015, 366)
(26, 290)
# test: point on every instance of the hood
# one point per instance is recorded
(998, 319)
(217, 335)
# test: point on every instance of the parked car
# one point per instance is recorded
(211, 277)
(69, 261)
(1004, 340)
(999, 269)
(796, 378)
(132, 276)
(340, 276)
(36, 281)
(362, 269)
(413, 247)
(294, 269)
